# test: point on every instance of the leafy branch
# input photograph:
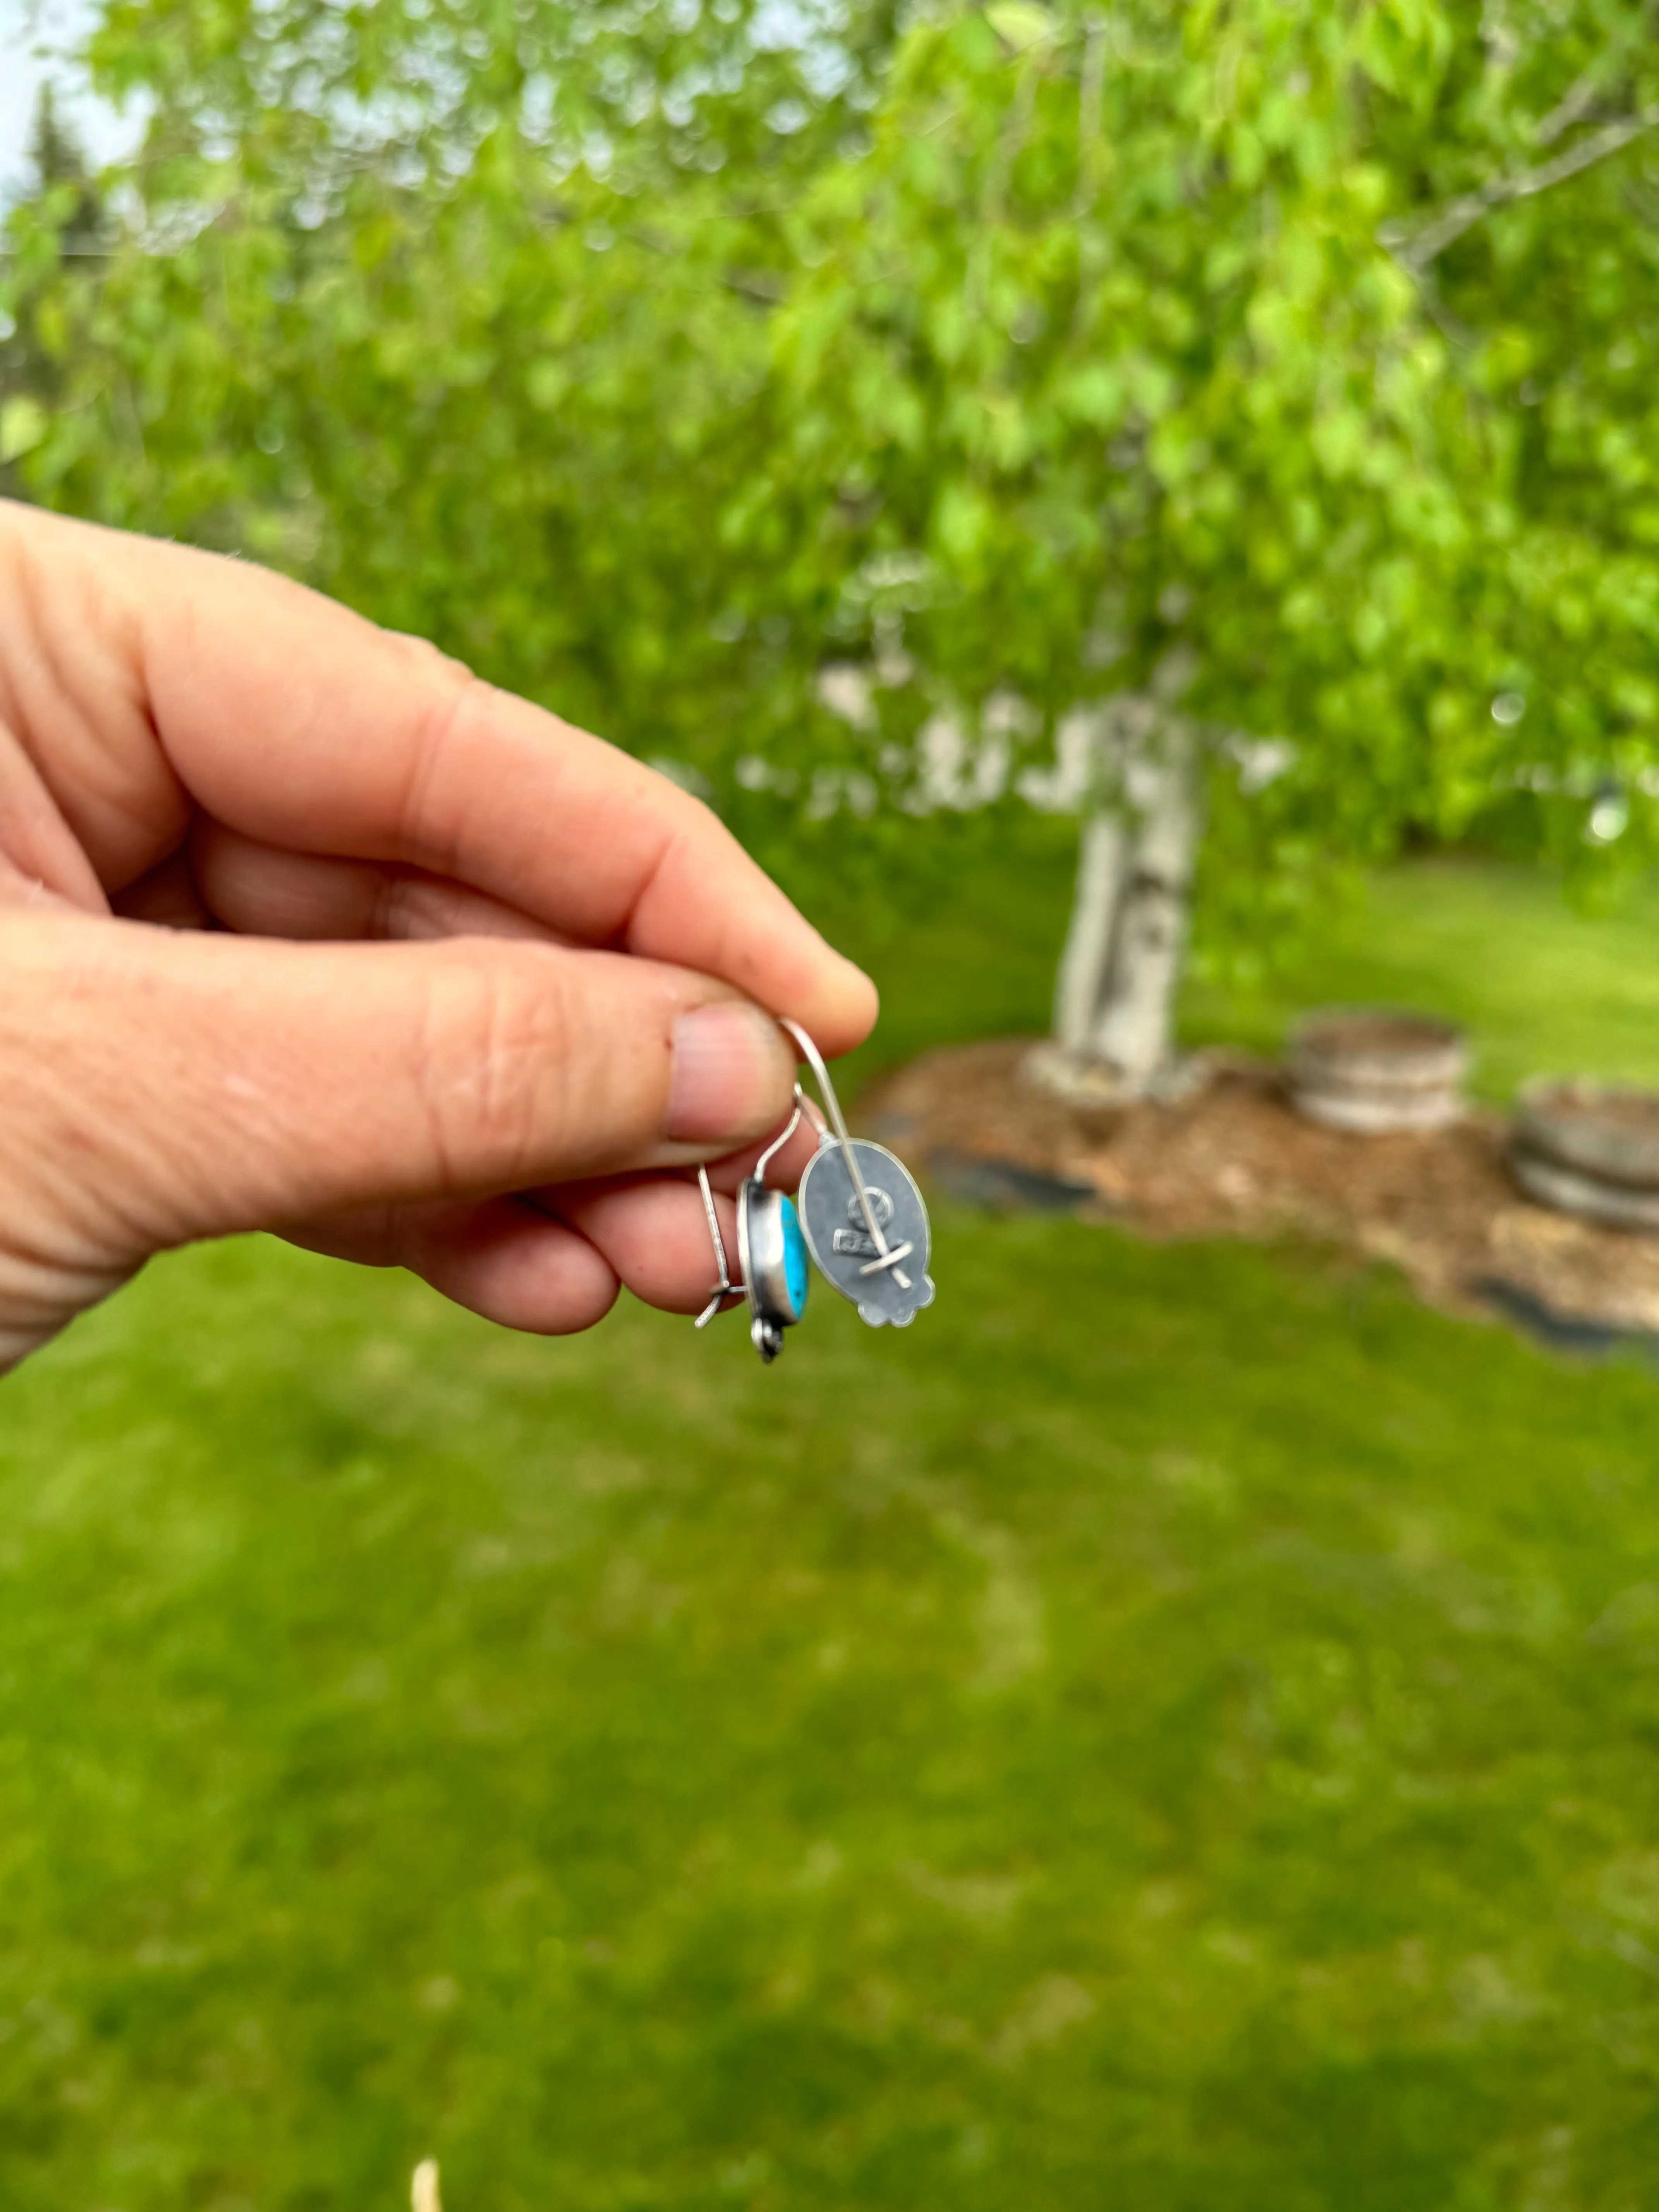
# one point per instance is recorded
(1415, 248)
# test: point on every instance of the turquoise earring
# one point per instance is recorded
(771, 1252)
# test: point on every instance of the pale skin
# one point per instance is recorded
(303, 927)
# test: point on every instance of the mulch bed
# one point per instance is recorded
(1233, 1158)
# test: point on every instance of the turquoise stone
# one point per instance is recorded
(796, 1272)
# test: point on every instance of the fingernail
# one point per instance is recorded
(730, 1073)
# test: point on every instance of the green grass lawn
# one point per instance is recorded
(1176, 1730)
(1544, 990)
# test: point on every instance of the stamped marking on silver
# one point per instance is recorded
(856, 1243)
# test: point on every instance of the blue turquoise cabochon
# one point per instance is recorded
(797, 1274)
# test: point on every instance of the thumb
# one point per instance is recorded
(159, 1085)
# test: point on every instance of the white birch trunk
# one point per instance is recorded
(1102, 853)
(1113, 1031)
(1133, 1031)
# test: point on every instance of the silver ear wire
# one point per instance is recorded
(727, 1288)
(779, 1142)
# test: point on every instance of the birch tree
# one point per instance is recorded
(1252, 398)
(1271, 380)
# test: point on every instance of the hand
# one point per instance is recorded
(304, 927)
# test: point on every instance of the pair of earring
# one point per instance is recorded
(858, 1212)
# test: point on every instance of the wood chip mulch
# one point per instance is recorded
(1233, 1158)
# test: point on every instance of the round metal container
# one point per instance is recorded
(1372, 1069)
(1609, 1130)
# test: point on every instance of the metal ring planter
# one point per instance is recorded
(1376, 1069)
(1591, 1149)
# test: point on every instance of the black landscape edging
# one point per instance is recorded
(1001, 1186)
(1562, 1332)
(1007, 1187)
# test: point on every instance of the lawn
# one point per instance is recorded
(1176, 1730)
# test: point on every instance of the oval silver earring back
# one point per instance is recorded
(863, 1214)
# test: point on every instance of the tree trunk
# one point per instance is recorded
(1114, 1001)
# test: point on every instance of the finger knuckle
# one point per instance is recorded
(447, 693)
(495, 1077)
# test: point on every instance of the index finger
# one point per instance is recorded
(301, 724)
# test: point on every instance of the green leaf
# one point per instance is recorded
(23, 423)
(1020, 23)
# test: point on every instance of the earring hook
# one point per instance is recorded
(727, 1288)
(779, 1142)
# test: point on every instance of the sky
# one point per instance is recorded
(25, 25)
